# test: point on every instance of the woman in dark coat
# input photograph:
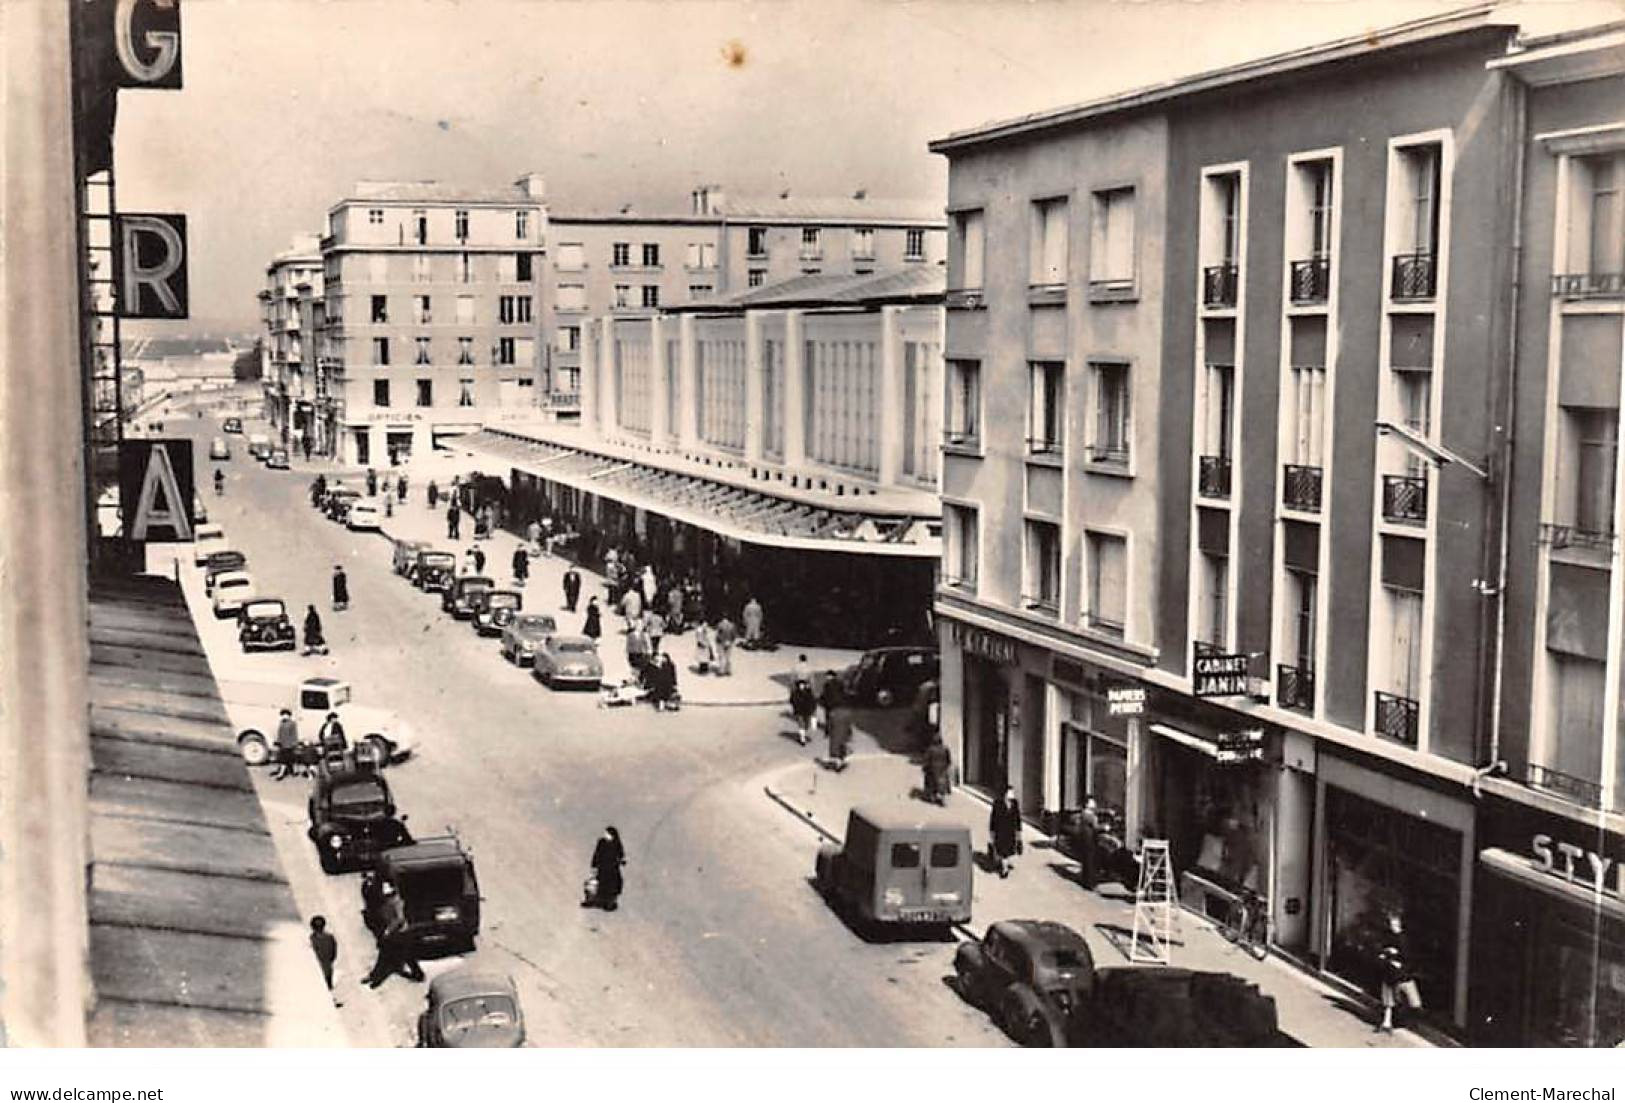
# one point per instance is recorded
(593, 625)
(607, 859)
(341, 588)
(1004, 826)
(314, 643)
(521, 565)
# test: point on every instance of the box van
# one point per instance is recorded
(899, 865)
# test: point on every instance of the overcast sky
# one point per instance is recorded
(288, 102)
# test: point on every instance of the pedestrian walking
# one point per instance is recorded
(654, 626)
(662, 679)
(331, 737)
(478, 554)
(674, 608)
(752, 616)
(341, 588)
(325, 947)
(802, 705)
(938, 764)
(454, 521)
(372, 483)
(727, 635)
(837, 722)
(572, 588)
(649, 586)
(593, 626)
(304, 446)
(1087, 843)
(521, 565)
(1004, 830)
(1399, 988)
(400, 489)
(705, 648)
(608, 856)
(433, 492)
(315, 644)
(389, 505)
(394, 956)
(631, 606)
(287, 745)
(546, 546)
(533, 536)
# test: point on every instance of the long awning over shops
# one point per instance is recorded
(742, 513)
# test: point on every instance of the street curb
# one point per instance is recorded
(804, 817)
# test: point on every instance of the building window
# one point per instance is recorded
(921, 409)
(422, 351)
(1295, 685)
(505, 351)
(465, 350)
(863, 243)
(462, 225)
(1397, 702)
(651, 255)
(812, 247)
(702, 254)
(1309, 240)
(1046, 407)
(1596, 228)
(420, 268)
(572, 296)
(380, 392)
(651, 295)
(465, 268)
(964, 410)
(380, 309)
(755, 277)
(422, 310)
(380, 351)
(465, 310)
(420, 223)
(1221, 237)
(1106, 608)
(914, 245)
(524, 267)
(521, 225)
(1041, 567)
(968, 232)
(1415, 263)
(514, 309)
(1111, 260)
(699, 290)
(1306, 390)
(1589, 447)
(568, 338)
(1047, 253)
(623, 295)
(1217, 416)
(1112, 424)
(1212, 614)
(572, 257)
(620, 254)
(962, 548)
(756, 241)
(425, 392)
(465, 392)
(375, 217)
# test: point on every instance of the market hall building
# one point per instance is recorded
(1269, 647)
(742, 441)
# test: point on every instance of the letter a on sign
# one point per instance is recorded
(152, 266)
(176, 512)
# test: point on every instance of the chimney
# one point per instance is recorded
(707, 199)
(533, 185)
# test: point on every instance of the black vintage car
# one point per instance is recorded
(494, 610)
(218, 563)
(889, 675)
(458, 598)
(352, 819)
(433, 570)
(263, 624)
(426, 895)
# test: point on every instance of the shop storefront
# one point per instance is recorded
(1548, 931)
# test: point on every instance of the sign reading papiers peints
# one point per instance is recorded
(1219, 675)
(1124, 700)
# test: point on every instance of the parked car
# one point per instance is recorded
(524, 634)
(207, 539)
(353, 819)
(200, 512)
(256, 708)
(568, 661)
(277, 460)
(428, 894)
(494, 610)
(458, 598)
(887, 675)
(405, 555)
(263, 624)
(1031, 975)
(218, 563)
(259, 446)
(898, 865)
(924, 715)
(219, 449)
(338, 501)
(433, 571)
(231, 590)
(363, 516)
(472, 1007)
(232, 425)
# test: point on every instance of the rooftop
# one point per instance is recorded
(434, 192)
(915, 283)
(849, 210)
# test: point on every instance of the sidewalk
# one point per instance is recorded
(759, 678)
(1043, 886)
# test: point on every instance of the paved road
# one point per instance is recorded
(720, 940)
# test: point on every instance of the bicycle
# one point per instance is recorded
(1249, 924)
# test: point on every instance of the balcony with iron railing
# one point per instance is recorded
(1044, 447)
(1311, 280)
(1219, 284)
(1415, 276)
(1405, 499)
(564, 400)
(963, 438)
(1295, 687)
(1580, 790)
(1213, 476)
(1396, 717)
(1300, 487)
(1589, 285)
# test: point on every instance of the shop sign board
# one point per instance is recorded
(152, 265)
(1124, 700)
(1220, 675)
(979, 641)
(155, 488)
(1579, 866)
(1236, 747)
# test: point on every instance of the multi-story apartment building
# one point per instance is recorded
(632, 264)
(779, 444)
(434, 313)
(288, 364)
(1227, 367)
(1549, 932)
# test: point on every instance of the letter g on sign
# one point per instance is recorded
(163, 46)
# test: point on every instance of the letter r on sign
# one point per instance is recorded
(152, 266)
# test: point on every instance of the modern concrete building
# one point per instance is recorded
(288, 365)
(1227, 394)
(745, 442)
(434, 314)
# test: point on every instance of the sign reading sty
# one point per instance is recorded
(152, 265)
(155, 488)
